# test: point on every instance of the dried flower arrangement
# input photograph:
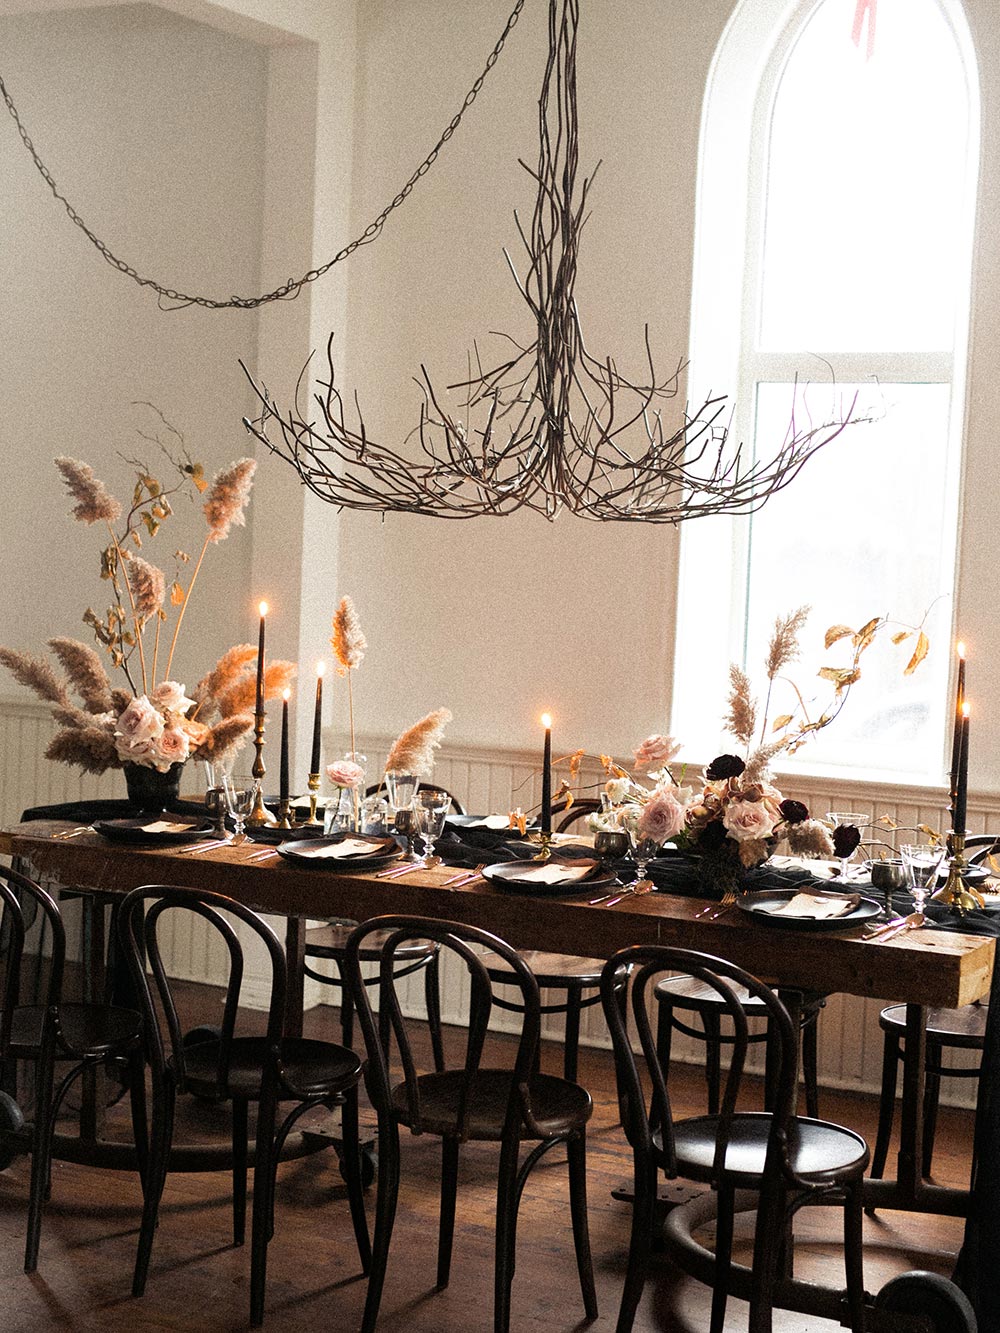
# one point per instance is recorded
(413, 751)
(733, 815)
(153, 722)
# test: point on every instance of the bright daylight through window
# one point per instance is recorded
(852, 254)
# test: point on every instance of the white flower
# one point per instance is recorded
(141, 721)
(170, 747)
(617, 789)
(169, 697)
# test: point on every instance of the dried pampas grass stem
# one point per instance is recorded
(413, 751)
(86, 673)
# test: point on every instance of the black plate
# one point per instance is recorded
(133, 831)
(761, 906)
(601, 879)
(302, 852)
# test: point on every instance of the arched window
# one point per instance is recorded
(834, 234)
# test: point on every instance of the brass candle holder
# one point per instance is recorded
(956, 893)
(260, 816)
(312, 819)
(545, 847)
(285, 819)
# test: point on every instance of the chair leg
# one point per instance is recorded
(506, 1234)
(571, 1037)
(432, 999)
(769, 1237)
(724, 1219)
(263, 1204)
(387, 1191)
(576, 1153)
(932, 1093)
(137, 1103)
(449, 1189)
(640, 1244)
(854, 1257)
(240, 1152)
(891, 1053)
(156, 1177)
(713, 1054)
(352, 1176)
(41, 1150)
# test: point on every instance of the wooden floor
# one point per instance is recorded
(200, 1282)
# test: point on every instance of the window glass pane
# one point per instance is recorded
(865, 185)
(867, 529)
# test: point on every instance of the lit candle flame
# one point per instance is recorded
(966, 708)
(263, 609)
(546, 720)
(320, 668)
(286, 694)
(960, 649)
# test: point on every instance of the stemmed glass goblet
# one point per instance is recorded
(430, 809)
(215, 796)
(643, 851)
(402, 788)
(860, 822)
(921, 861)
(240, 791)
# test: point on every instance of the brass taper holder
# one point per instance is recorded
(313, 818)
(259, 816)
(958, 896)
(545, 850)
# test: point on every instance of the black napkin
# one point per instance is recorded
(85, 812)
(681, 875)
(460, 851)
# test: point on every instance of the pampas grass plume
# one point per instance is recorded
(741, 720)
(224, 674)
(228, 497)
(86, 673)
(225, 735)
(90, 748)
(413, 751)
(784, 645)
(95, 503)
(37, 674)
(348, 642)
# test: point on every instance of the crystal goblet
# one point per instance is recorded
(921, 861)
(860, 822)
(240, 792)
(429, 810)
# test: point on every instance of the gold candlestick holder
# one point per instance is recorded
(285, 819)
(545, 847)
(312, 819)
(956, 894)
(260, 816)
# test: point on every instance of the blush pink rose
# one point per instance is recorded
(345, 774)
(748, 820)
(170, 747)
(169, 697)
(662, 816)
(655, 751)
(141, 721)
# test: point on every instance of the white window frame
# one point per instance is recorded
(727, 273)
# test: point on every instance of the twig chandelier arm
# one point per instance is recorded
(289, 290)
(551, 427)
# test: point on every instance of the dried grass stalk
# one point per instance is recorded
(784, 645)
(223, 675)
(228, 734)
(810, 838)
(348, 642)
(228, 498)
(413, 751)
(148, 586)
(86, 674)
(90, 748)
(95, 504)
(241, 697)
(37, 674)
(741, 719)
(758, 765)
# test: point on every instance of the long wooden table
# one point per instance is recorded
(925, 968)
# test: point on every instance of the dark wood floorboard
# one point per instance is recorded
(198, 1281)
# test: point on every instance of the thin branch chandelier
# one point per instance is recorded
(551, 427)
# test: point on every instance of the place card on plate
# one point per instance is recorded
(817, 906)
(344, 850)
(545, 872)
(164, 826)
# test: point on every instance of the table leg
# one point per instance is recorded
(295, 953)
(911, 1119)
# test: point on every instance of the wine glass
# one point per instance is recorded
(429, 809)
(860, 822)
(402, 788)
(921, 861)
(215, 796)
(610, 845)
(240, 791)
(643, 851)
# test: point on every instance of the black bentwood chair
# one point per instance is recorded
(240, 1069)
(788, 1161)
(53, 1031)
(465, 1102)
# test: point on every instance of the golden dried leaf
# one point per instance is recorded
(919, 653)
(888, 821)
(903, 634)
(841, 676)
(932, 835)
(197, 474)
(866, 634)
(781, 721)
(835, 633)
(176, 594)
(575, 761)
(136, 539)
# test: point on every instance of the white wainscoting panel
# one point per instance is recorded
(850, 1054)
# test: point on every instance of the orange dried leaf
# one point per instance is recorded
(902, 635)
(919, 653)
(781, 721)
(866, 634)
(837, 632)
(176, 594)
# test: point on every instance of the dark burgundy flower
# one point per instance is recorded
(712, 836)
(725, 766)
(793, 812)
(845, 840)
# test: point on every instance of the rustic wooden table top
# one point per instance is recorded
(928, 967)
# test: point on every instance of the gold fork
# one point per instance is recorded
(728, 901)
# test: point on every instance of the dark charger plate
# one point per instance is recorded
(600, 880)
(134, 832)
(301, 852)
(761, 906)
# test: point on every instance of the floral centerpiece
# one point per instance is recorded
(151, 722)
(733, 815)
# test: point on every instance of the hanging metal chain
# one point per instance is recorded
(290, 289)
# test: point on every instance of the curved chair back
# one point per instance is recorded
(140, 916)
(21, 899)
(465, 942)
(577, 811)
(644, 1102)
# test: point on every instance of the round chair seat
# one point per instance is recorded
(963, 1028)
(817, 1148)
(550, 969)
(310, 1067)
(330, 941)
(88, 1030)
(559, 1107)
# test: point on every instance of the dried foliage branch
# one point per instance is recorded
(551, 427)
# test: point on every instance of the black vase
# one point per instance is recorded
(149, 790)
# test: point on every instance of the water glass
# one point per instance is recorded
(215, 796)
(402, 788)
(860, 822)
(430, 809)
(921, 861)
(240, 792)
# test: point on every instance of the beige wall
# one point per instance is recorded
(497, 619)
